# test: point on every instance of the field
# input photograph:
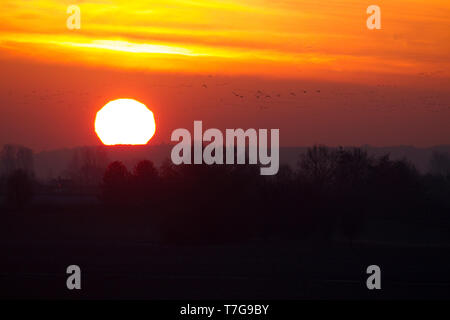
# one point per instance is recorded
(125, 257)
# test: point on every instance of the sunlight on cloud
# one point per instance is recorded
(284, 35)
(126, 46)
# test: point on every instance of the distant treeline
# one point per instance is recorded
(330, 190)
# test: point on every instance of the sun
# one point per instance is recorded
(125, 122)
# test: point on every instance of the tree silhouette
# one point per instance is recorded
(352, 177)
(317, 166)
(115, 185)
(146, 183)
(87, 165)
(13, 157)
(332, 194)
(19, 189)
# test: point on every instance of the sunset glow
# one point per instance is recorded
(295, 38)
(313, 69)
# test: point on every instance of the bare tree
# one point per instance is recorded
(87, 165)
(14, 157)
(318, 165)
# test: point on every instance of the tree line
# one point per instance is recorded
(330, 190)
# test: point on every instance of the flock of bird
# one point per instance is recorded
(264, 98)
(261, 94)
(376, 98)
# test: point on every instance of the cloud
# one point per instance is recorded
(308, 35)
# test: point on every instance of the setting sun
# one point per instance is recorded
(125, 122)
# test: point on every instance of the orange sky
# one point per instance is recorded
(384, 87)
(294, 37)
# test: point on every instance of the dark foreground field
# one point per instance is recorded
(123, 257)
(204, 232)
